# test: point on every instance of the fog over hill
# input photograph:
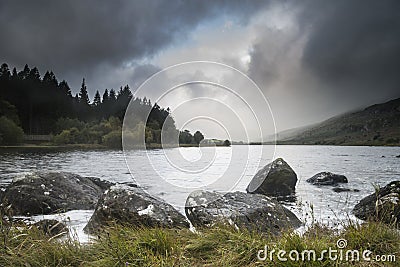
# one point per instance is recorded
(378, 124)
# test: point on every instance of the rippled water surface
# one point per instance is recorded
(363, 166)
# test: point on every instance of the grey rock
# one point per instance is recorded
(52, 192)
(244, 211)
(275, 179)
(343, 189)
(327, 178)
(126, 204)
(383, 205)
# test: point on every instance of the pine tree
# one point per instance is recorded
(24, 74)
(106, 96)
(83, 94)
(64, 87)
(97, 99)
(4, 72)
(50, 79)
(34, 74)
(198, 137)
(14, 73)
(113, 96)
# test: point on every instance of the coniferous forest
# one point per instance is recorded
(32, 104)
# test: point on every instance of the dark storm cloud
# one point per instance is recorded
(330, 57)
(354, 44)
(143, 72)
(349, 44)
(76, 37)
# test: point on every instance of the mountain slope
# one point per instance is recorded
(375, 125)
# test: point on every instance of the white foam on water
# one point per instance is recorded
(75, 220)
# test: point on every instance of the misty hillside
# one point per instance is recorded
(375, 125)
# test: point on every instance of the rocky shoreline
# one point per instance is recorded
(126, 204)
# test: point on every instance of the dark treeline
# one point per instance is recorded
(42, 101)
(45, 106)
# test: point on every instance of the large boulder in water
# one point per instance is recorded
(244, 211)
(128, 204)
(52, 192)
(383, 205)
(275, 179)
(327, 178)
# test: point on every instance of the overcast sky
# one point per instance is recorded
(311, 59)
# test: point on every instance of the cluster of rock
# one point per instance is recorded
(258, 209)
(327, 178)
(331, 179)
(49, 193)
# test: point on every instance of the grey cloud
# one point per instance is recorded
(348, 56)
(355, 43)
(73, 38)
(270, 53)
(142, 72)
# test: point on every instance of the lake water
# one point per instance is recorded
(363, 166)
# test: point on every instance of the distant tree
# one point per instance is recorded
(106, 96)
(198, 136)
(64, 87)
(9, 111)
(14, 73)
(83, 94)
(34, 74)
(113, 139)
(113, 95)
(227, 143)
(122, 101)
(50, 79)
(185, 137)
(97, 99)
(24, 73)
(124, 93)
(10, 132)
(67, 123)
(40, 103)
(4, 72)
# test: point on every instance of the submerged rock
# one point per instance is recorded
(275, 179)
(244, 211)
(343, 189)
(327, 178)
(51, 227)
(53, 192)
(384, 205)
(125, 204)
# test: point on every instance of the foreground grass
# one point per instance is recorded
(218, 246)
